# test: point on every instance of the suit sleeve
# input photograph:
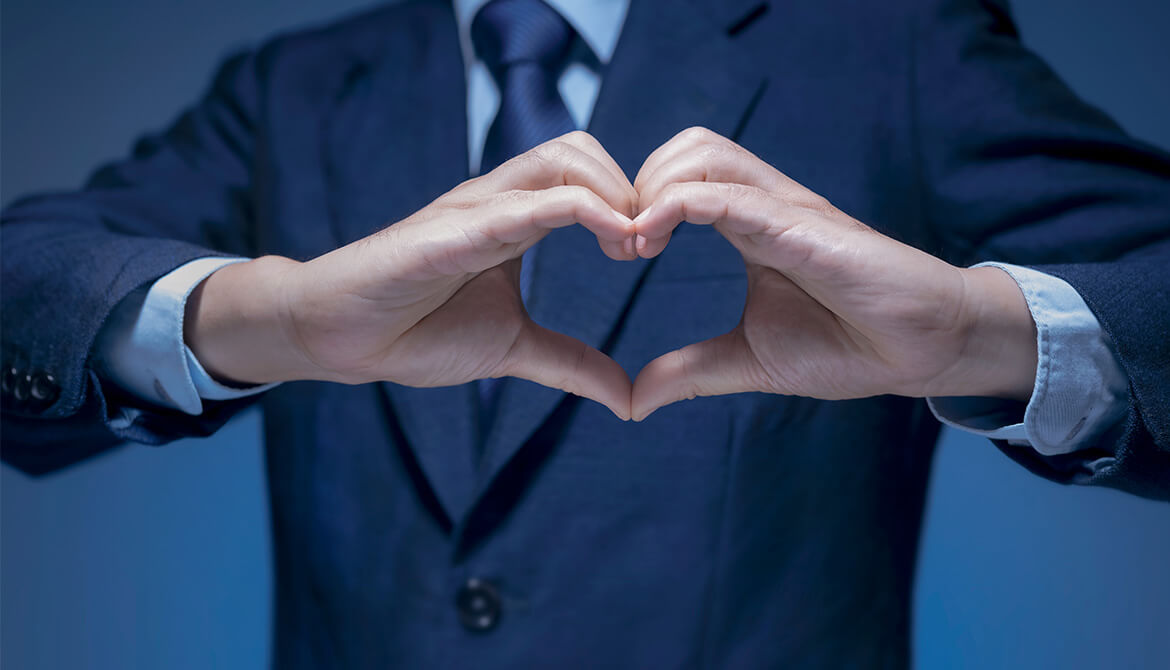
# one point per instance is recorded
(1017, 169)
(70, 258)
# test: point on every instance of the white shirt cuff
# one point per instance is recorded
(141, 347)
(1080, 391)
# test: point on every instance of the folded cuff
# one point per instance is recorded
(1080, 390)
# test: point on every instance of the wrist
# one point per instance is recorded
(235, 324)
(998, 354)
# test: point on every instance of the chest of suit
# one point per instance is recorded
(712, 502)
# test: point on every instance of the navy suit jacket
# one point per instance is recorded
(742, 531)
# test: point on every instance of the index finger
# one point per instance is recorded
(589, 144)
(569, 160)
(698, 154)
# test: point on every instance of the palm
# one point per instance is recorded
(421, 323)
(851, 340)
(466, 338)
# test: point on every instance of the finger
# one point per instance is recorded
(682, 142)
(698, 154)
(716, 161)
(560, 162)
(518, 215)
(717, 366)
(513, 221)
(651, 247)
(473, 239)
(619, 251)
(743, 210)
(589, 144)
(558, 361)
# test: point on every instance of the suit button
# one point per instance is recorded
(22, 388)
(8, 381)
(478, 603)
(43, 390)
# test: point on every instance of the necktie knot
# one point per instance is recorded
(509, 32)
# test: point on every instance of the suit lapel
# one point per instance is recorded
(396, 140)
(674, 67)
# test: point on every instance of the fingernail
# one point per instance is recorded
(628, 247)
(640, 243)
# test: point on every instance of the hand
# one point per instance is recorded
(834, 309)
(433, 300)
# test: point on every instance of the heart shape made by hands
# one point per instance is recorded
(833, 310)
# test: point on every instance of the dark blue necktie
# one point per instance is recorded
(524, 43)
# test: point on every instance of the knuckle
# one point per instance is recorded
(579, 136)
(711, 159)
(577, 194)
(698, 134)
(673, 193)
(470, 184)
(816, 203)
(711, 151)
(740, 192)
(539, 158)
(515, 197)
(554, 151)
(672, 196)
(576, 190)
(529, 160)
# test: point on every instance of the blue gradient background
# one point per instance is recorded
(159, 558)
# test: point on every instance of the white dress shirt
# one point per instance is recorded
(1080, 390)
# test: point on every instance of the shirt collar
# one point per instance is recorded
(598, 22)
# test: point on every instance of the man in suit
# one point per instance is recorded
(431, 522)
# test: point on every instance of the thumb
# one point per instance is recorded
(558, 361)
(717, 366)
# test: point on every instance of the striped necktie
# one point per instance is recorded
(524, 44)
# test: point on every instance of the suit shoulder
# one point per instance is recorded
(358, 35)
